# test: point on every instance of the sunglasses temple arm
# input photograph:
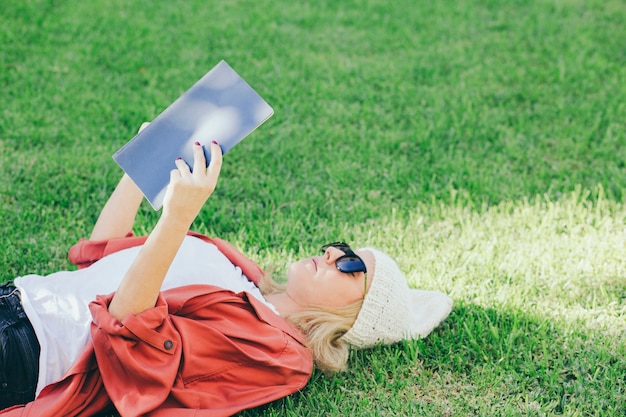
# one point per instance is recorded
(365, 284)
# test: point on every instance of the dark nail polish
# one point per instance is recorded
(214, 142)
(197, 143)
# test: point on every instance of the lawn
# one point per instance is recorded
(481, 143)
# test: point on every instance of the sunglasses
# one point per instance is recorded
(348, 263)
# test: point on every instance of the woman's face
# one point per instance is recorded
(316, 281)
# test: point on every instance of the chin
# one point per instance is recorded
(292, 270)
(295, 270)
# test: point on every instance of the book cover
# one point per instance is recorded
(220, 107)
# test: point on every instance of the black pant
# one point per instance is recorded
(19, 350)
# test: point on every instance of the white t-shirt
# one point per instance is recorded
(57, 304)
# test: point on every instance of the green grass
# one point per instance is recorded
(481, 143)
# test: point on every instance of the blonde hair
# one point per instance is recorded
(323, 328)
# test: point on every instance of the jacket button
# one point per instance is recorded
(168, 344)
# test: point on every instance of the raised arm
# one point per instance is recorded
(186, 194)
(118, 214)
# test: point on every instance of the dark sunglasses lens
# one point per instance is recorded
(350, 264)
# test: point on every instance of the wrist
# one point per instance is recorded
(174, 222)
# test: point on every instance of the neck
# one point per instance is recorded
(283, 303)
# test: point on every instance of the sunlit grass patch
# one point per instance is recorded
(563, 258)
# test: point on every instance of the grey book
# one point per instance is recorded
(220, 107)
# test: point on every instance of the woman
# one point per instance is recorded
(190, 325)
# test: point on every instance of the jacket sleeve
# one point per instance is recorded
(86, 252)
(138, 358)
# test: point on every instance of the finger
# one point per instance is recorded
(143, 126)
(199, 160)
(174, 175)
(216, 162)
(182, 166)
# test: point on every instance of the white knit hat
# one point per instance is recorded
(392, 311)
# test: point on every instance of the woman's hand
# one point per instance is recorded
(188, 190)
(185, 196)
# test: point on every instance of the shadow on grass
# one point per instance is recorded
(480, 360)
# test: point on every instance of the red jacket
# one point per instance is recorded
(201, 351)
